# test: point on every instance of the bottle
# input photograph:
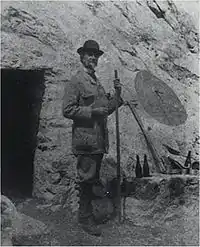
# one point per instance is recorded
(146, 167)
(138, 168)
(123, 187)
(188, 163)
(195, 167)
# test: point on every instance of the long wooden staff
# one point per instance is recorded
(157, 161)
(118, 153)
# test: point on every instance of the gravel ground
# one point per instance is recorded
(65, 230)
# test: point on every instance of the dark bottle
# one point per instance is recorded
(138, 168)
(146, 167)
(123, 187)
(188, 163)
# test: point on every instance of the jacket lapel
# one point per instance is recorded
(89, 78)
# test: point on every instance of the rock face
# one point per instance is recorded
(18, 228)
(9, 216)
(30, 231)
(136, 35)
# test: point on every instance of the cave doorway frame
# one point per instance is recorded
(22, 94)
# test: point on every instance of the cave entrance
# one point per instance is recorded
(21, 97)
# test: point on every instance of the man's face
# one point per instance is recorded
(90, 60)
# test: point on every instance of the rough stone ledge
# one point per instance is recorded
(29, 231)
(20, 229)
(167, 185)
(167, 202)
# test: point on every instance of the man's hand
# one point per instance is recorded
(117, 85)
(100, 111)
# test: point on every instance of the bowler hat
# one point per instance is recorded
(90, 45)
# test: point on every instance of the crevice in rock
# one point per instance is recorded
(138, 2)
(158, 12)
(132, 53)
(28, 34)
(124, 13)
(23, 23)
(21, 14)
(178, 72)
(124, 63)
(94, 6)
(178, 23)
(184, 72)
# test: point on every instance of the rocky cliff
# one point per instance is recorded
(157, 36)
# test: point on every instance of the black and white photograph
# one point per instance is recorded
(100, 136)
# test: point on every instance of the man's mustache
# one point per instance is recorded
(93, 62)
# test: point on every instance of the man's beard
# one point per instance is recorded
(91, 64)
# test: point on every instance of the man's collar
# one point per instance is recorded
(90, 72)
(91, 75)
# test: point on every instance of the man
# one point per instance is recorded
(87, 104)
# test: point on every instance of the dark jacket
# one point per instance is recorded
(82, 93)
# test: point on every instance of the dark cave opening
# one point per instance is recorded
(21, 99)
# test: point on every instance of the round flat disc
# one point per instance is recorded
(159, 100)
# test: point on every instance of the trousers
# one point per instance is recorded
(85, 186)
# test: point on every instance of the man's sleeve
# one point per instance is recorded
(70, 107)
(112, 103)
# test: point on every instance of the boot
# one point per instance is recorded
(90, 227)
(85, 210)
(85, 206)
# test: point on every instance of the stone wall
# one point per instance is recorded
(135, 35)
